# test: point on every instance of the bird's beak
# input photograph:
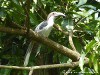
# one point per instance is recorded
(60, 14)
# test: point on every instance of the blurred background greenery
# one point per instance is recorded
(83, 18)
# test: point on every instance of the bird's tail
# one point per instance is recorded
(38, 50)
(28, 52)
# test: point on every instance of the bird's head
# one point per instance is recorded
(55, 14)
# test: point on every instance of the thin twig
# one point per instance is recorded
(66, 33)
(26, 8)
(69, 71)
(67, 65)
(71, 40)
(60, 29)
(31, 71)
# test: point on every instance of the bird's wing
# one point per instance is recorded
(41, 26)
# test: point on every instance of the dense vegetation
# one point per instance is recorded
(79, 31)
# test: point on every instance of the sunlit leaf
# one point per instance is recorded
(89, 6)
(85, 13)
(16, 1)
(97, 37)
(81, 61)
(89, 46)
(81, 2)
(98, 0)
(95, 63)
(68, 24)
(35, 1)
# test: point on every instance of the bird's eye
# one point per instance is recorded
(53, 13)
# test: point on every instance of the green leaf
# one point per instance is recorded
(81, 61)
(89, 6)
(95, 63)
(85, 13)
(33, 19)
(97, 38)
(35, 1)
(2, 12)
(89, 46)
(81, 2)
(5, 71)
(68, 24)
(87, 71)
(16, 1)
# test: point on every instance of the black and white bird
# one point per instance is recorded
(43, 29)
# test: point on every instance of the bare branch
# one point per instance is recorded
(71, 40)
(55, 46)
(31, 71)
(60, 29)
(26, 8)
(13, 31)
(67, 65)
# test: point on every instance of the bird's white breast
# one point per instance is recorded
(45, 31)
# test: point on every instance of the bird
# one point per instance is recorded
(43, 29)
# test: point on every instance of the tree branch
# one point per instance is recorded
(26, 8)
(67, 65)
(55, 46)
(13, 31)
(31, 71)
(71, 40)
(60, 29)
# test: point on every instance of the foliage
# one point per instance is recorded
(83, 18)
